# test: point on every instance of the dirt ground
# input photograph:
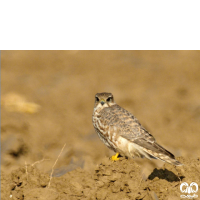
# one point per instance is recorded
(47, 100)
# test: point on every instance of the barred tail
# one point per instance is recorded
(162, 154)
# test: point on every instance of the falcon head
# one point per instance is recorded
(103, 100)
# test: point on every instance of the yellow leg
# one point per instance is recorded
(115, 157)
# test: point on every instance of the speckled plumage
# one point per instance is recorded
(122, 132)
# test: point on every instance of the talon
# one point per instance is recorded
(115, 157)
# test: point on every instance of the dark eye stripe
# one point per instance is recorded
(96, 98)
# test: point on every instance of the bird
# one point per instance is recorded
(121, 132)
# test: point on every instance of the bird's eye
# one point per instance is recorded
(109, 98)
(96, 98)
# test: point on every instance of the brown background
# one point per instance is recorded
(161, 88)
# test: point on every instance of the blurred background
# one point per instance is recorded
(47, 100)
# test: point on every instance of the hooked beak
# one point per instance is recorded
(102, 102)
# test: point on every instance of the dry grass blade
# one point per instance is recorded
(55, 164)
(39, 161)
(26, 170)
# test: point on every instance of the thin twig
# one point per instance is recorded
(26, 170)
(39, 161)
(55, 164)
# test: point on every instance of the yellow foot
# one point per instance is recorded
(115, 157)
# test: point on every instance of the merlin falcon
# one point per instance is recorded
(121, 132)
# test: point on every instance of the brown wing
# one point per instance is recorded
(125, 123)
(128, 126)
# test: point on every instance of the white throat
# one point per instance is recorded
(99, 107)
